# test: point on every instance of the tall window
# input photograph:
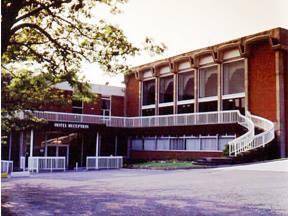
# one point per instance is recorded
(208, 81)
(77, 106)
(148, 92)
(233, 77)
(166, 89)
(185, 86)
(105, 106)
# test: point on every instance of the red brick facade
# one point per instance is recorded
(262, 81)
(132, 96)
(169, 155)
(117, 106)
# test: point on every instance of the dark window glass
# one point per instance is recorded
(186, 86)
(77, 110)
(149, 92)
(76, 103)
(77, 106)
(233, 77)
(234, 104)
(105, 103)
(186, 108)
(148, 112)
(166, 110)
(166, 89)
(208, 106)
(208, 82)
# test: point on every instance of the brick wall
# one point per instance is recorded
(262, 81)
(169, 155)
(132, 96)
(94, 107)
(55, 107)
(117, 106)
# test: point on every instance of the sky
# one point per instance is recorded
(185, 25)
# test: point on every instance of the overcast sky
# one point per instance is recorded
(185, 25)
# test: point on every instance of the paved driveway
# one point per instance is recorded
(150, 192)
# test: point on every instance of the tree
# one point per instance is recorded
(53, 37)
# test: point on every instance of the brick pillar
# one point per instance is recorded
(280, 102)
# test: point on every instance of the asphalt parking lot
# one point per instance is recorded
(243, 190)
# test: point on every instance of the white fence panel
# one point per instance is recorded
(6, 166)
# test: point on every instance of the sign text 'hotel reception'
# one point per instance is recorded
(71, 125)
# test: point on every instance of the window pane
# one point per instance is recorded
(165, 110)
(208, 106)
(233, 77)
(208, 81)
(76, 103)
(186, 86)
(166, 89)
(148, 112)
(234, 104)
(105, 103)
(186, 108)
(77, 110)
(149, 92)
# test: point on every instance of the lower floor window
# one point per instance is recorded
(166, 110)
(186, 108)
(148, 112)
(208, 106)
(234, 104)
(192, 143)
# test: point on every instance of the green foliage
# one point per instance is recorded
(56, 36)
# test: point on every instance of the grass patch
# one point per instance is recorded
(166, 165)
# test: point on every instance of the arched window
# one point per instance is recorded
(148, 93)
(208, 81)
(186, 86)
(166, 89)
(233, 77)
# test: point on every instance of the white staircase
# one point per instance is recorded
(249, 140)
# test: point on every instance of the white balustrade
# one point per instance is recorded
(23, 163)
(46, 164)
(101, 162)
(241, 144)
(6, 166)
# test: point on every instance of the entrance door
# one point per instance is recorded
(58, 151)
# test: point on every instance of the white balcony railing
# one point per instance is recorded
(218, 117)
(243, 143)
(6, 166)
(101, 162)
(46, 164)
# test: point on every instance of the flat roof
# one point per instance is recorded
(105, 90)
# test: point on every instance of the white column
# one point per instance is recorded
(97, 149)
(31, 142)
(196, 89)
(219, 86)
(97, 145)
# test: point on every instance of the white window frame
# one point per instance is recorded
(78, 107)
(166, 104)
(211, 98)
(142, 87)
(103, 97)
(236, 95)
(183, 102)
